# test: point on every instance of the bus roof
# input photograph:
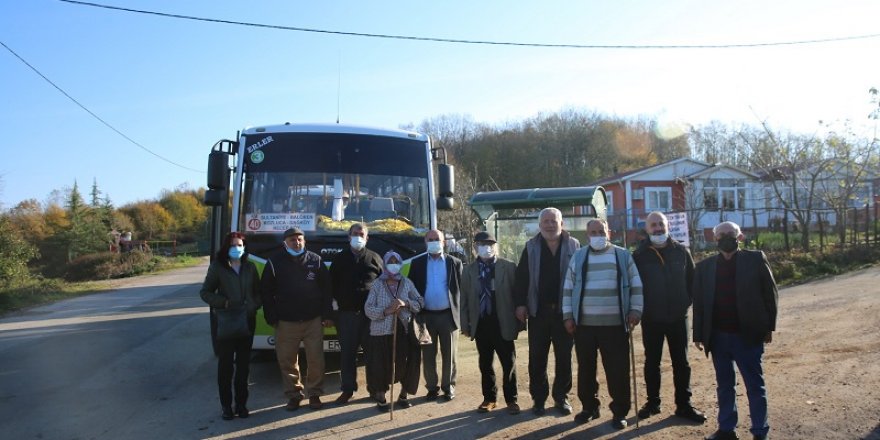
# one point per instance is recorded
(333, 128)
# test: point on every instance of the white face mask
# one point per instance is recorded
(393, 269)
(486, 251)
(357, 242)
(659, 239)
(435, 247)
(598, 243)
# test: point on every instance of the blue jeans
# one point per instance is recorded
(730, 348)
(354, 331)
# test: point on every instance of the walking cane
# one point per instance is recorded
(393, 360)
(632, 357)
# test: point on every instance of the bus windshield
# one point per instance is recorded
(324, 182)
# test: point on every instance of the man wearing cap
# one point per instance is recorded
(437, 277)
(297, 303)
(352, 274)
(487, 316)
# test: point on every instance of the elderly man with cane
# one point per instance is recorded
(601, 303)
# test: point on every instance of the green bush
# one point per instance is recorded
(86, 267)
(106, 265)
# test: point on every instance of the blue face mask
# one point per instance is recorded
(235, 252)
(295, 253)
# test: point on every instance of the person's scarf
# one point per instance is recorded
(388, 275)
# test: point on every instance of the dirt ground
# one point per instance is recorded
(822, 370)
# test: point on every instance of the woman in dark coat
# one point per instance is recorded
(232, 281)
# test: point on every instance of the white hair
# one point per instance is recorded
(551, 210)
(733, 225)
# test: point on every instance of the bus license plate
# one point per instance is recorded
(331, 345)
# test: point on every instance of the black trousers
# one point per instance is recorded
(545, 329)
(408, 361)
(234, 359)
(490, 343)
(613, 343)
(676, 336)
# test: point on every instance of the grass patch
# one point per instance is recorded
(38, 290)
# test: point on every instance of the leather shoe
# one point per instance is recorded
(538, 409)
(650, 409)
(344, 398)
(618, 423)
(227, 413)
(486, 406)
(241, 411)
(760, 437)
(432, 395)
(586, 415)
(315, 402)
(513, 408)
(564, 407)
(448, 396)
(404, 402)
(690, 413)
(293, 403)
(723, 435)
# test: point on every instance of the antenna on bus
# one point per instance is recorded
(338, 85)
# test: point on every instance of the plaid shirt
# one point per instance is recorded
(381, 297)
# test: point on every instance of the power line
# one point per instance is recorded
(480, 42)
(93, 113)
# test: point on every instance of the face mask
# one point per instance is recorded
(435, 247)
(727, 243)
(358, 242)
(659, 239)
(598, 243)
(235, 252)
(393, 269)
(486, 251)
(293, 252)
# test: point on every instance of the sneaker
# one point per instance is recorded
(513, 408)
(315, 402)
(618, 423)
(486, 406)
(650, 409)
(690, 413)
(241, 411)
(564, 407)
(343, 398)
(293, 403)
(227, 413)
(586, 415)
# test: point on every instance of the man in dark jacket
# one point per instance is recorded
(352, 274)
(297, 302)
(540, 275)
(735, 304)
(667, 271)
(437, 276)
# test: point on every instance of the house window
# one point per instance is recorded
(727, 194)
(609, 196)
(658, 199)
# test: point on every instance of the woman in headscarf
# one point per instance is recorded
(392, 302)
(232, 282)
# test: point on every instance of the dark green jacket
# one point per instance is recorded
(222, 283)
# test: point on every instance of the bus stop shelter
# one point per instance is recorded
(512, 215)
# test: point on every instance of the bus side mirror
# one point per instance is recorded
(218, 171)
(215, 197)
(446, 186)
(445, 203)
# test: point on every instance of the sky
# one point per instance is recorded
(177, 86)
